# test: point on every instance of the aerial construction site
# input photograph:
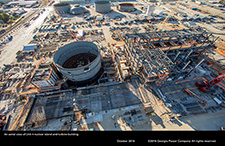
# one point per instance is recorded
(92, 65)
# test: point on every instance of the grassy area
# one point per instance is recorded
(8, 19)
(222, 2)
(4, 17)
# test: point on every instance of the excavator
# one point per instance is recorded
(204, 86)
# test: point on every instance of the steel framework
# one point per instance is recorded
(158, 56)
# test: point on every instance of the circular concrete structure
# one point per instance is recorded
(126, 7)
(78, 61)
(62, 7)
(102, 6)
(77, 10)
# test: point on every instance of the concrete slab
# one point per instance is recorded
(96, 106)
(96, 118)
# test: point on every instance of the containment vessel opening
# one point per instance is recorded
(78, 61)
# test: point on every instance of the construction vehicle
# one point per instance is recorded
(203, 102)
(204, 86)
(10, 38)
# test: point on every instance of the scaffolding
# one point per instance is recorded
(166, 55)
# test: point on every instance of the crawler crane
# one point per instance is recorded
(204, 86)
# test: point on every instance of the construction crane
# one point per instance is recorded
(204, 86)
(203, 102)
(170, 14)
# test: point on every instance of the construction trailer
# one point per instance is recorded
(162, 56)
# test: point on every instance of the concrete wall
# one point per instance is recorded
(81, 73)
(73, 1)
(48, 82)
(77, 10)
(126, 8)
(150, 10)
(102, 6)
(62, 9)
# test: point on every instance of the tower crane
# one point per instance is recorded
(170, 14)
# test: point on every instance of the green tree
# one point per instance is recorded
(222, 2)
(4, 17)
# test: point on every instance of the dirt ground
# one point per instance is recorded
(207, 121)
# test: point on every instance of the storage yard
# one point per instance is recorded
(106, 65)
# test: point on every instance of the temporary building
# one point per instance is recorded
(29, 48)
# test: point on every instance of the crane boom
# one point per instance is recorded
(170, 14)
(203, 102)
